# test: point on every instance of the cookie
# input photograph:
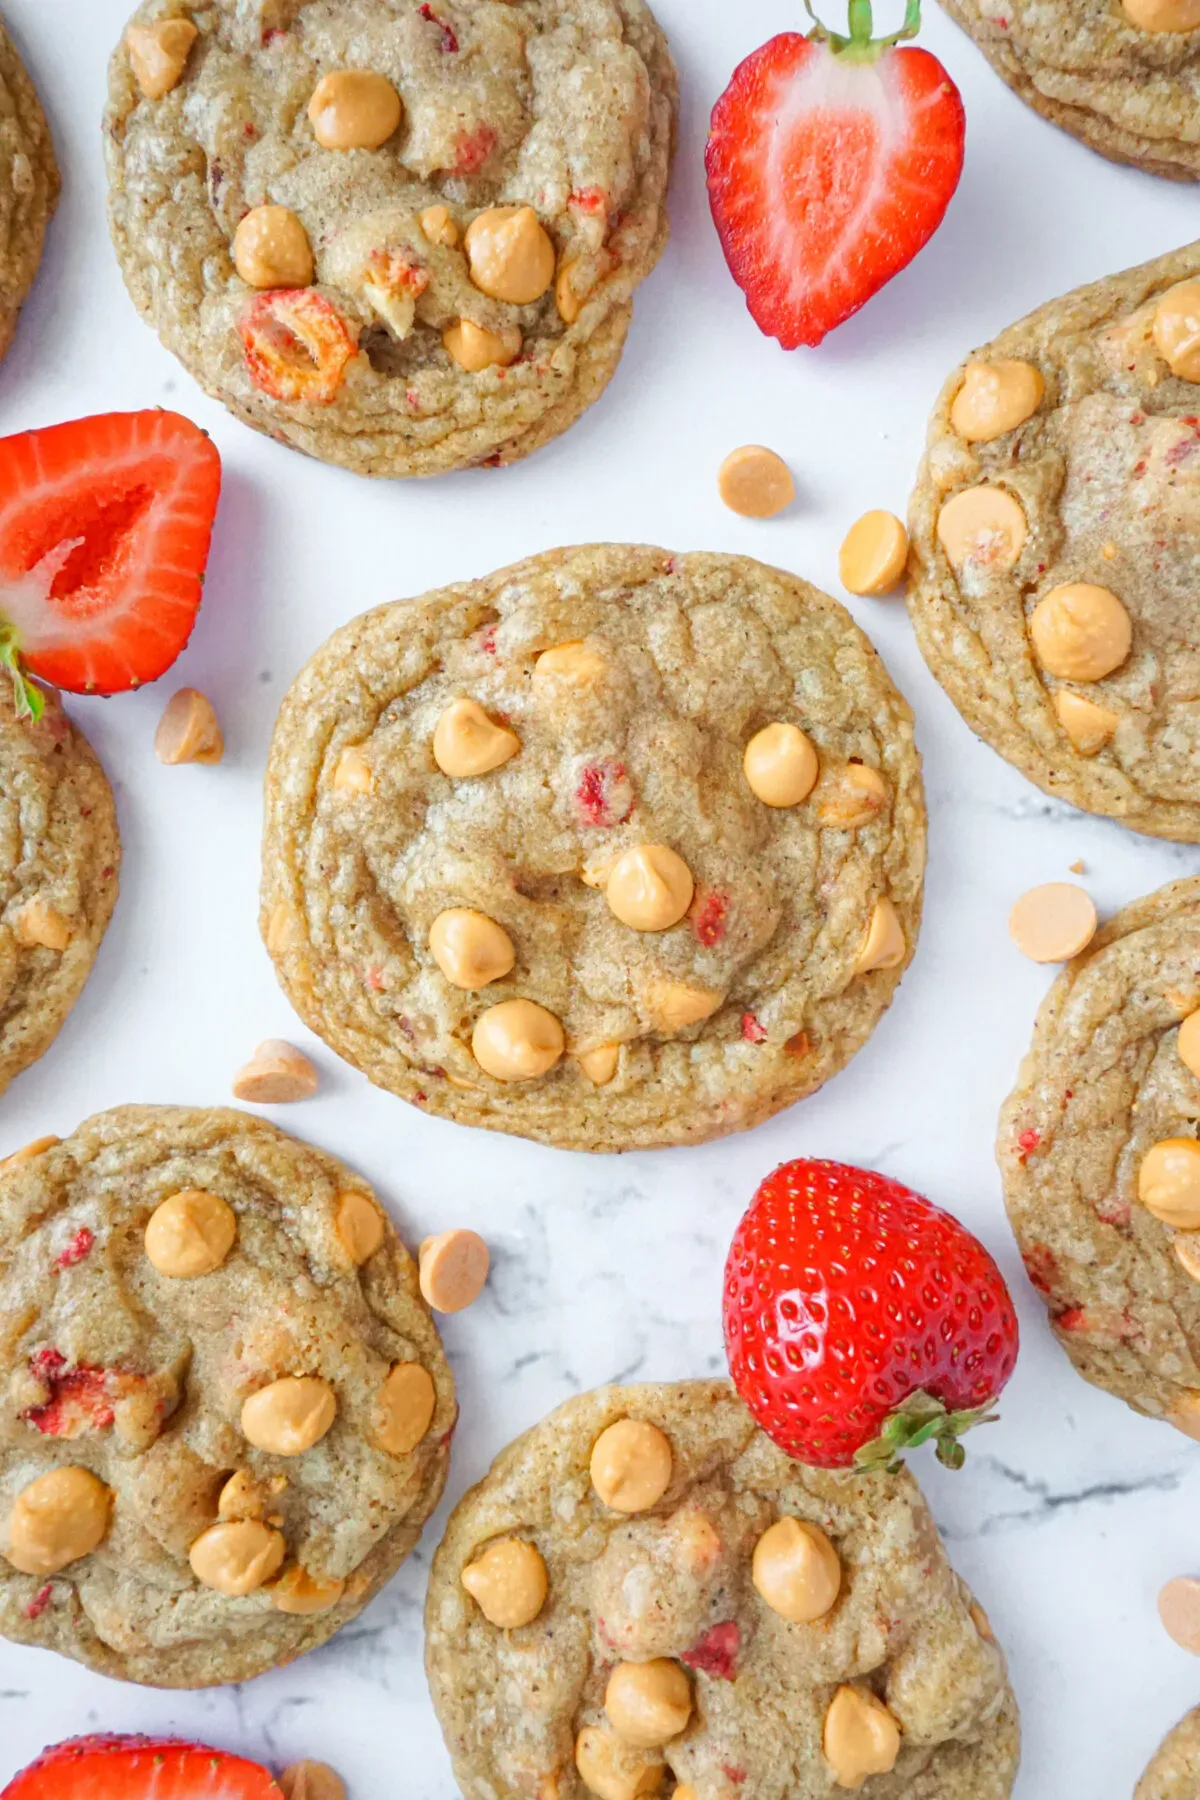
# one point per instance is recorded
(1174, 1770)
(1100, 1208)
(59, 856)
(1123, 78)
(29, 185)
(1051, 582)
(401, 237)
(227, 1414)
(697, 1614)
(611, 849)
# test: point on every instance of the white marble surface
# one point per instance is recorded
(1071, 1512)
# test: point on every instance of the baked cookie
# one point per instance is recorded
(1174, 1769)
(612, 849)
(646, 1596)
(1055, 529)
(29, 185)
(1100, 1162)
(227, 1414)
(1123, 76)
(401, 237)
(59, 856)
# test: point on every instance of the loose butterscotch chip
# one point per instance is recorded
(1053, 923)
(1179, 1610)
(755, 482)
(276, 1075)
(311, 1781)
(189, 730)
(874, 555)
(454, 1267)
(406, 1405)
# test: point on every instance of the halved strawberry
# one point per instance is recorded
(831, 161)
(105, 526)
(138, 1768)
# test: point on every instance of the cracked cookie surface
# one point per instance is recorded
(59, 857)
(1102, 1083)
(766, 971)
(673, 1582)
(564, 106)
(29, 185)
(1086, 66)
(128, 1359)
(1097, 488)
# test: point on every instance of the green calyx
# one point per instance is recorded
(30, 701)
(857, 44)
(920, 1419)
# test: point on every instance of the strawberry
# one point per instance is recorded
(296, 345)
(831, 161)
(861, 1320)
(105, 526)
(138, 1768)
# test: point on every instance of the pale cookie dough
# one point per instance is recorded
(379, 313)
(1174, 1770)
(653, 1654)
(1102, 1196)
(59, 857)
(29, 185)
(219, 1329)
(592, 930)
(1078, 660)
(1091, 67)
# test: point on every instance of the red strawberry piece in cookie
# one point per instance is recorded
(296, 344)
(81, 1399)
(831, 162)
(861, 1320)
(105, 527)
(716, 1654)
(138, 1768)
(604, 795)
(709, 917)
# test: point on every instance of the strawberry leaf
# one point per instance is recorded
(920, 1419)
(29, 699)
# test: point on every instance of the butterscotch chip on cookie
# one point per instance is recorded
(1120, 75)
(1100, 1160)
(1053, 527)
(59, 860)
(192, 1483)
(1174, 1769)
(29, 185)
(674, 1645)
(403, 238)
(640, 857)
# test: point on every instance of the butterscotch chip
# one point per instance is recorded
(873, 557)
(289, 1416)
(1088, 724)
(1080, 632)
(983, 528)
(600, 1063)
(158, 54)
(354, 109)
(1179, 1610)
(517, 1040)
(271, 249)
(508, 1582)
(359, 1224)
(474, 348)
(276, 1074)
(631, 1465)
(311, 1781)
(189, 730)
(995, 398)
(27, 1152)
(190, 1234)
(1052, 923)
(510, 254)
(860, 1737)
(797, 1570)
(405, 1408)
(56, 1519)
(38, 924)
(237, 1556)
(755, 482)
(1188, 1043)
(454, 1267)
(305, 1596)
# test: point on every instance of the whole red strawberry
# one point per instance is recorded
(860, 1320)
(831, 161)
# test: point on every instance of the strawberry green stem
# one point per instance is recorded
(859, 44)
(30, 701)
(920, 1419)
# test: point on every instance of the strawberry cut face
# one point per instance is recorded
(827, 175)
(105, 527)
(111, 1767)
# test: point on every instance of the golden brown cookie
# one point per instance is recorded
(612, 849)
(226, 1410)
(699, 1614)
(29, 185)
